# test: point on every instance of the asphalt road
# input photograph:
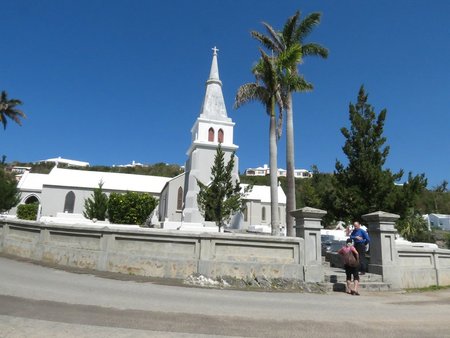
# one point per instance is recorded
(38, 301)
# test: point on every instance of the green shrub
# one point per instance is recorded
(130, 208)
(413, 227)
(96, 206)
(27, 211)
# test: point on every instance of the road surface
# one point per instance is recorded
(39, 301)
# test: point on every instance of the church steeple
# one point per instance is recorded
(214, 73)
(212, 127)
(213, 106)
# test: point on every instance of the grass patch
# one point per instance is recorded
(428, 288)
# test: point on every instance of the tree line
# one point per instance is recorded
(156, 169)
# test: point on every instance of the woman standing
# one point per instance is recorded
(351, 264)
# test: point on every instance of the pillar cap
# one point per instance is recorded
(308, 212)
(380, 216)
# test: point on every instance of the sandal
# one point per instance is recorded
(349, 292)
(355, 293)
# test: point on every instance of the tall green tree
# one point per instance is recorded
(293, 35)
(406, 196)
(8, 110)
(267, 90)
(364, 186)
(439, 192)
(411, 224)
(96, 206)
(9, 194)
(219, 200)
(322, 194)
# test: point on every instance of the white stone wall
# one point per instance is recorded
(155, 252)
(422, 267)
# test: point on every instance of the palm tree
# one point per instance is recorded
(294, 33)
(8, 109)
(267, 90)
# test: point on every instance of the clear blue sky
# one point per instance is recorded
(109, 82)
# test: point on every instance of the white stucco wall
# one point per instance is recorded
(199, 167)
(254, 214)
(53, 199)
(168, 200)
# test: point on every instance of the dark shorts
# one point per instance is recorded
(351, 271)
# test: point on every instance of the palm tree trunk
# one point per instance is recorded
(290, 167)
(275, 219)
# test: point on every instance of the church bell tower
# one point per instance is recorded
(212, 127)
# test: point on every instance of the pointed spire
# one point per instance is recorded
(214, 73)
(213, 104)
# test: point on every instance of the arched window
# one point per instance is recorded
(69, 203)
(220, 136)
(263, 213)
(211, 135)
(180, 198)
(32, 199)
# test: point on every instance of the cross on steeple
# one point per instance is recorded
(215, 50)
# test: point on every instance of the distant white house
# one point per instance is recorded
(18, 171)
(439, 220)
(133, 164)
(265, 170)
(70, 163)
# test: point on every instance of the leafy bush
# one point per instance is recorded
(130, 208)
(414, 228)
(27, 211)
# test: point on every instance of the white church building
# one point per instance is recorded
(62, 192)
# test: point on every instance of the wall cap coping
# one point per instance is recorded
(138, 231)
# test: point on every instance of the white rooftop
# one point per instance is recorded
(90, 179)
(31, 181)
(262, 193)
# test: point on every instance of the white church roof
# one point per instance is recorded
(90, 179)
(111, 181)
(262, 193)
(31, 181)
